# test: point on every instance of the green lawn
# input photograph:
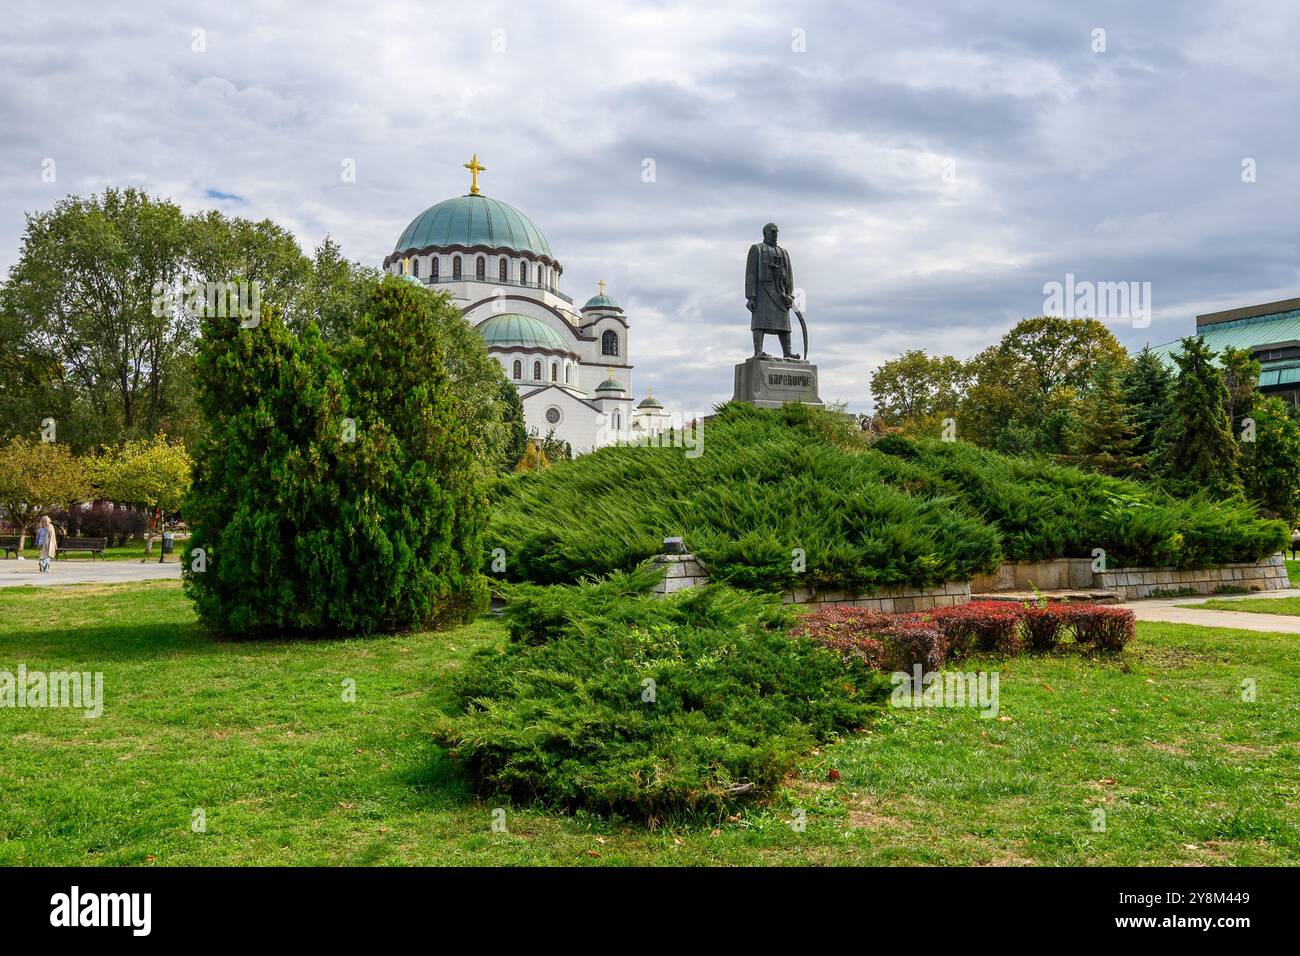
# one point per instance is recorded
(1288, 605)
(132, 550)
(258, 736)
(1293, 573)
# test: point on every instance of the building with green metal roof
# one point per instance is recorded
(1270, 332)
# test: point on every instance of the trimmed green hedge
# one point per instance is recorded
(899, 512)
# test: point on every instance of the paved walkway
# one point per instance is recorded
(1166, 609)
(17, 574)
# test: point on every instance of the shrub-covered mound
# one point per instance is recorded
(1044, 510)
(899, 512)
(611, 700)
(765, 485)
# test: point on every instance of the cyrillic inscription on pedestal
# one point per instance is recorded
(771, 383)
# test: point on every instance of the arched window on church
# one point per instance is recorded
(503, 271)
(523, 273)
(519, 369)
(415, 268)
(568, 373)
(555, 372)
(537, 371)
(433, 268)
(617, 420)
(455, 267)
(480, 269)
(609, 342)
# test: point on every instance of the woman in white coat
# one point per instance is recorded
(47, 541)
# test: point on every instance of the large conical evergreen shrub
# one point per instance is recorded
(412, 492)
(263, 474)
(1202, 451)
(334, 491)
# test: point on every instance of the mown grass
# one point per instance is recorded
(259, 737)
(132, 550)
(1293, 573)
(1288, 605)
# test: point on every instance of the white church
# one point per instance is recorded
(572, 367)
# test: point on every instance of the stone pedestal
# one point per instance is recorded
(770, 383)
(683, 571)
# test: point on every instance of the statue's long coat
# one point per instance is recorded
(771, 313)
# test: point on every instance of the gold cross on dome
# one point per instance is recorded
(474, 167)
(601, 283)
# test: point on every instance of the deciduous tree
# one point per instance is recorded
(36, 478)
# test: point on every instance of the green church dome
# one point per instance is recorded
(610, 385)
(602, 302)
(511, 330)
(474, 221)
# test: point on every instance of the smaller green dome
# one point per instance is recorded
(610, 385)
(602, 302)
(649, 402)
(512, 330)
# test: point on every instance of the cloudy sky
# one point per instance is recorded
(931, 166)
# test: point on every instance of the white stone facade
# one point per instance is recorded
(576, 383)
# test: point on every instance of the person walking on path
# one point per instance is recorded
(47, 541)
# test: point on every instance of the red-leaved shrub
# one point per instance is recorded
(1043, 625)
(887, 642)
(1109, 628)
(894, 642)
(981, 625)
(912, 640)
(854, 633)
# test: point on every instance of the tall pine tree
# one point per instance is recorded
(1104, 439)
(1202, 450)
(1148, 386)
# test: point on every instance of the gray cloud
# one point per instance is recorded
(1123, 165)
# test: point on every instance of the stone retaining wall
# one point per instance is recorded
(686, 572)
(902, 598)
(1268, 574)
(1055, 575)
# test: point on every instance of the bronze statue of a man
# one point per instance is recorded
(769, 292)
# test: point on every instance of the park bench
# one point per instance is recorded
(95, 546)
(9, 543)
